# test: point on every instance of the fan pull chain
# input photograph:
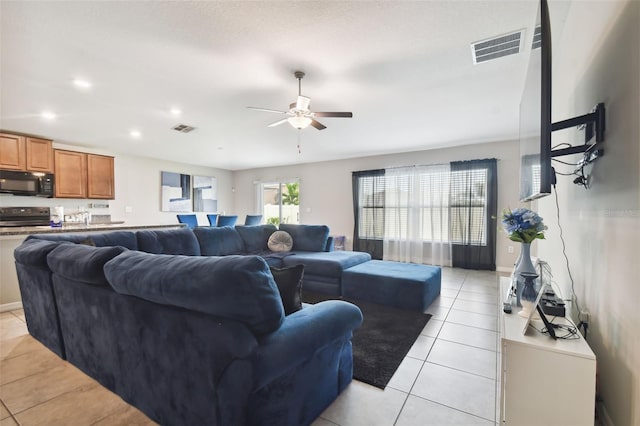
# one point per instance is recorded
(299, 148)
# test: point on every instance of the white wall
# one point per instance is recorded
(138, 180)
(137, 185)
(596, 58)
(326, 195)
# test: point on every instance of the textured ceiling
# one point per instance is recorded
(404, 69)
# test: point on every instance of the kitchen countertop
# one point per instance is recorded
(28, 230)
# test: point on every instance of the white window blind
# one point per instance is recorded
(468, 207)
(371, 207)
(432, 204)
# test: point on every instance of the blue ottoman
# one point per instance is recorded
(403, 285)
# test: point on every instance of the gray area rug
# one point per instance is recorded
(383, 340)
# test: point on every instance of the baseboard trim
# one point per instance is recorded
(10, 306)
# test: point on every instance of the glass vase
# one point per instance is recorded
(529, 295)
(523, 264)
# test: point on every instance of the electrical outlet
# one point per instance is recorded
(510, 249)
(584, 316)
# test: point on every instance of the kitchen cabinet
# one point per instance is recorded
(82, 175)
(39, 155)
(70, 174)
(100, 178)
(25, 153)
(12, 152)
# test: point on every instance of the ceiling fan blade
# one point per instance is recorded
(334, 114)
(318, 125)
(268, 110)
(277, 123)
(303, 103)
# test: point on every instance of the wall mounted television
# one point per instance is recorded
(536, 173)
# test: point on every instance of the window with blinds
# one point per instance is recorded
(468, 207)
(371, 207)
(418, 200)
(445, 206)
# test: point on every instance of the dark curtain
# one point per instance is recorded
(368, 212)
(474, 184)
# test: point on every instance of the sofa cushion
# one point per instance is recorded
(219, 241)
(307, 237)
(34, 252)
(280, 241)
(289, 282)
(327, 264)
(255, 237)
(168, 241)
(235, 287)
(82, 263)
(125, 239)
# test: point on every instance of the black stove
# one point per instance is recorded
(24, 216)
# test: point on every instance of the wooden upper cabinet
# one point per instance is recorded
(100, 179)
(39, 155)
(70, 174)
(12, 152)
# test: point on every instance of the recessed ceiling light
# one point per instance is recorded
(48, 115)
(82, 84)
(135, 134)
(176, 111)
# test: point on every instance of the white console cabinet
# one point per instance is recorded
(544, 381)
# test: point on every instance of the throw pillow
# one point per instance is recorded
(280, 241)
(289, 282)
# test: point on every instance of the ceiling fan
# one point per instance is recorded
(299, 114)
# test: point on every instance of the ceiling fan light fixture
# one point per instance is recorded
(299, 121)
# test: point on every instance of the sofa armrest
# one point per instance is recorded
(302, 334)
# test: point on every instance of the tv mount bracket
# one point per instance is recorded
(594, 121)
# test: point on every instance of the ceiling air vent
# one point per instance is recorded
(183, 128)
(497, 47)
(537, 38)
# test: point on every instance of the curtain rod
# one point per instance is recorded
(420, 165)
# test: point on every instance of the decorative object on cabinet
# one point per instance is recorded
(529, 297)
(524, 226)
(523, 266)
(205, 194)
(176, 192)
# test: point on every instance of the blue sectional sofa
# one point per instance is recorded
(188, 325)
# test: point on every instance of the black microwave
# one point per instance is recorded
(26, 183)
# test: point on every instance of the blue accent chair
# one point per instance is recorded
(189, 219)
(213, 219)
(253, 219)
(227, 220)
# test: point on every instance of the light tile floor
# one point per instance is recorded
(447, 378)
(449, 375)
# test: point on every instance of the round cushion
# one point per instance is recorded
(280, 241)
